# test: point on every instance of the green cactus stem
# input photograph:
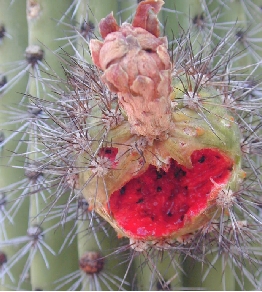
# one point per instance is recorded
(175, 24)
(126, 10)
(156, 271)
(13, 41)
(97, 12)
(42, 31)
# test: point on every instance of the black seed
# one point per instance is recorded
(169, 214)
(179, 173)
(140, 201)
(149, 50)
(230, 168)
(202, 159)
(182, 217)
(158, 189)
(108, 151)
(159, 175)
(122, 190)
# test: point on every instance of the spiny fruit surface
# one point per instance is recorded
(150, 186)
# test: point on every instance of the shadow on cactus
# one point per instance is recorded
(163, 142)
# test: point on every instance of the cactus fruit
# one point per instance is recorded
(170, 183)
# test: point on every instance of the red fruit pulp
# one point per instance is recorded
(156, 203)
(110, 153)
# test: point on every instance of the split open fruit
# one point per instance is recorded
(154, 183)
(161, 203)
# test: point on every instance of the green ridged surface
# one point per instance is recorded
(12, 48)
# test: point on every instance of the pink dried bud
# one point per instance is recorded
(108, 25)
(137, 66)
(146, 16)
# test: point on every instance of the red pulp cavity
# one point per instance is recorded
(110, 153)
(156, 203)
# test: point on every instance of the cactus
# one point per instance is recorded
(130, 152)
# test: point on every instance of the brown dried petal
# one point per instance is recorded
(114, 48)
(146, 40)
(131, 67)
(95, 47)
(164, 56)
(117, 77)
(144, 86)
(146, 17)
(147, 65)
(109, 84)
(164, 86)
(108, 25)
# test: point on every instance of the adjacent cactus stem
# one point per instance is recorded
(97, 12)
(126, 10)
(219, 275)
(13, 42)
(156, 272)
(177, 16)
(236, 12)
(43, 30)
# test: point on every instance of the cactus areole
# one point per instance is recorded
(161, 172)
